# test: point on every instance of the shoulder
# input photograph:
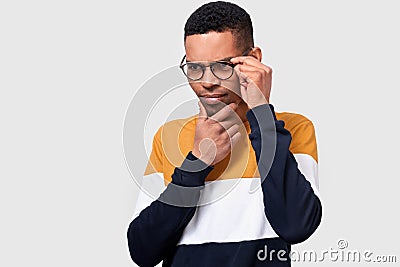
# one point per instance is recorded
(293, 120)
(302, 131)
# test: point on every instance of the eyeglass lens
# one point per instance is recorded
(221, 70)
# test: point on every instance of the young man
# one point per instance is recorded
(210, 212)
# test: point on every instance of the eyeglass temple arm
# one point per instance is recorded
(247, 51)
(183, 59)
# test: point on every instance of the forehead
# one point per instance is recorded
(210, 46)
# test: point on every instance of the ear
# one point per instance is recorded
(256, 53)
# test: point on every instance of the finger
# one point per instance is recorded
(243, 73)
(258, 73)
(235, 138)
(203, 112)
(233, 130)
(242, 76)
(254, 73)
(253, 78)
(250, 75)
(245, 68)
(247, 60)
(230, 122)
(234, 134)
(251, 61)
(224, 112)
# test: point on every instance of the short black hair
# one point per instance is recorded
(222, 16)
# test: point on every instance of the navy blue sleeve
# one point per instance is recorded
(153, 235)
(291, 206)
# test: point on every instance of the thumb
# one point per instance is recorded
(203, 112)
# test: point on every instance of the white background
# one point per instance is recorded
(68, 70)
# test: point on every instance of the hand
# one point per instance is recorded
(255, 80)
(216, 135)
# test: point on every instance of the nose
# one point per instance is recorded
(209, 80)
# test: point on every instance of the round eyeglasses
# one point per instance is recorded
(222, 69)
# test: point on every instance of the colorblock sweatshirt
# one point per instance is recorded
(246, 210)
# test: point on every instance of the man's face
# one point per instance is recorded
(214, 46)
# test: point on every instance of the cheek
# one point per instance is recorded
(196, 87)
(233, 85)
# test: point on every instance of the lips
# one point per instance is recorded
(213, 98)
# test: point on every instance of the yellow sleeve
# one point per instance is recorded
(155, 162)
(304, 139)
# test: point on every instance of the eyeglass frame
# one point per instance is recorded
(203, 67)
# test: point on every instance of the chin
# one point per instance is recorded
(213, 108)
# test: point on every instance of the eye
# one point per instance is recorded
(193, 66)
(223, 66)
